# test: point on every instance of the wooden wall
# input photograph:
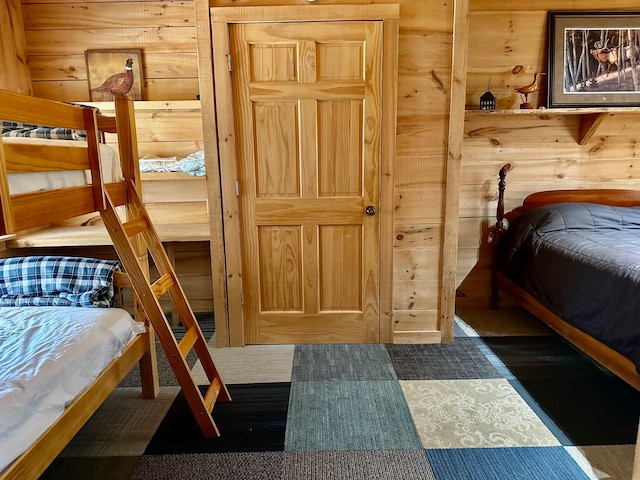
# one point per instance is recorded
(508, 45)
(58, 33)
(14, 72)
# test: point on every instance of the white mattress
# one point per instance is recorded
(31, 182)
(48, 355)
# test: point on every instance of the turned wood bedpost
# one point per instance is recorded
(499, 230)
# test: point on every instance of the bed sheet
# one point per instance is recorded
(49, 355)
(30, 182)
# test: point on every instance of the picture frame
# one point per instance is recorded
(593, 59)
(102, 64)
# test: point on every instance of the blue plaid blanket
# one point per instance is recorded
(56, 280)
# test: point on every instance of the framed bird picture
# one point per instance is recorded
(114, 72)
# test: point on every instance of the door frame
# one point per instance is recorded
(220, 151)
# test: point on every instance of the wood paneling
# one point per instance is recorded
(507, 45)
(14, 73)
(58, 33)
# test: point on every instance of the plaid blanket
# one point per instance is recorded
(57, 281)
(17, 129)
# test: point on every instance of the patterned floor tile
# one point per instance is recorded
(363, 415)
(341, 362)
(123, 425)
(364, 465)
(473, 414)
(446, 361)
(525, 463)
(251, 364)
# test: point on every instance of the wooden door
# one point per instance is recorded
(307, 111)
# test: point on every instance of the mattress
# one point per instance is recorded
(49, 355)
(582, 262)
(30, 182)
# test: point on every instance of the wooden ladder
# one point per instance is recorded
(149, 294)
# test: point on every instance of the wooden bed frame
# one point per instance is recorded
(30, 210)
(610, 359)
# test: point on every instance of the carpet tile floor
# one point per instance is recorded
(507, 399)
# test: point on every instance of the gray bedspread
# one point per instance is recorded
(581, 261)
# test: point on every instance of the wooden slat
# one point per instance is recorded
(39, 111)
(135, 226)
(162, 285)
(186, 344)
(211, 395)
(94, 15)
(25, 156)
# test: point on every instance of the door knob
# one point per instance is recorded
(370, 210)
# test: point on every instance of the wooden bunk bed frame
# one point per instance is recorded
(33, 210)
(134, 240)
(610, 359)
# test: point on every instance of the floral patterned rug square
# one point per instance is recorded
(473, 414)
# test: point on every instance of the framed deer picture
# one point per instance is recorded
(594, 59)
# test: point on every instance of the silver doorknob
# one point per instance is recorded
(370, 210)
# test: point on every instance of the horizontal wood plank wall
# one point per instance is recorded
(508, 46)
(14, 71)
(59, 32)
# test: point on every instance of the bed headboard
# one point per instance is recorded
(28, 210)
(603, 196)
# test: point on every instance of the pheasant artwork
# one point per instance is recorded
(118, 83)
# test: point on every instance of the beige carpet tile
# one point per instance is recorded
(505, 321)
(251, 364)
(613, 462)
(123, 425)
(473, 414)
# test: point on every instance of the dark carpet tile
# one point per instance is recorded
(254, 421)
(341, 362)
(96, 468)
(589, 405)
(218, 466)
(459, 360)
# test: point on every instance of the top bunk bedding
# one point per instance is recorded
(582, 262)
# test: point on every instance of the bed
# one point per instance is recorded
(33, 437)
(572, 258)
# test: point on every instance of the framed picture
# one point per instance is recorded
(112, 71)
(594, 59)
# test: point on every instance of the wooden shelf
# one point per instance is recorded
(590, 118)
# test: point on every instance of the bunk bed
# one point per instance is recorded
(28, 204)
(572, 258)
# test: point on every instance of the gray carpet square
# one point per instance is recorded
(341, 362)
(459, 360)
(363, 465)
(207, 466)
(364, 415)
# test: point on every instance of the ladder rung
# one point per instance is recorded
(212, 394)
(134, 226)
(188, 341)
(162, 285)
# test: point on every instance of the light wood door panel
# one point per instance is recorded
(307, 105)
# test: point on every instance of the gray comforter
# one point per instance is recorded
(581, 261)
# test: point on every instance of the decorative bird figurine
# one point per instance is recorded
(527, 89)
(118, 83)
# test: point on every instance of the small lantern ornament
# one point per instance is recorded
(488, 100)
